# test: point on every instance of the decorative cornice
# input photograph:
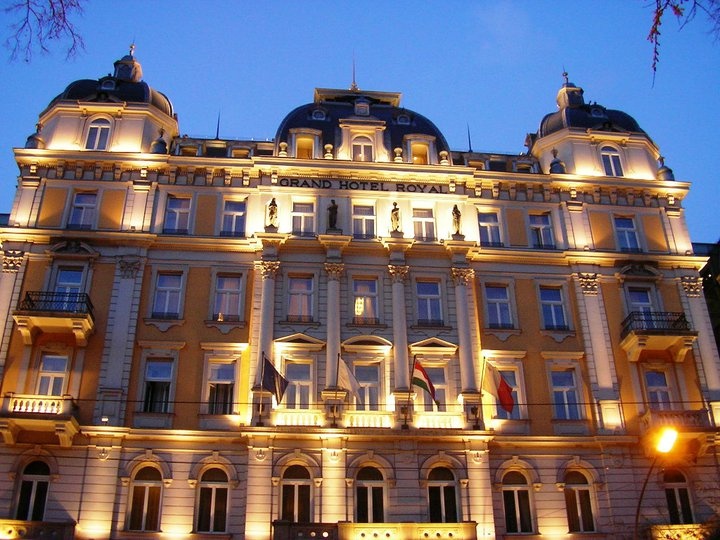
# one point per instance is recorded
(12, 260)
(588, 282)
(692, 285)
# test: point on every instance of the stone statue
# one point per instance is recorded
(395, 218)
(272, 213)
(456, 217)
(332, 214)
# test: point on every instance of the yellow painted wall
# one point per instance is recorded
(654, 233)
(112, 205)
(601, 230)
(52, 207)
(516, 226)
(206, 215)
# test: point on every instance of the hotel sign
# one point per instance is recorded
(362, 185)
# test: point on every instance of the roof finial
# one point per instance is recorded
(565, 76)
(353, 86)
(132, 48)
(217, 128)
(469, 141)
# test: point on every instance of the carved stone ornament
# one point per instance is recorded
(398, 273)
(588, 283)
(129, 268)
(692, 285)
(334, 270)
(12, 259)
(462, 276)
(269, 269)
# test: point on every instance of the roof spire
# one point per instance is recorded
(565, 75)
(353, 86)
(469, 141)
(217, 128)
(132, 48)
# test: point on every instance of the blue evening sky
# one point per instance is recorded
(495, 66)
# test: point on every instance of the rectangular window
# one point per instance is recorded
(553, 309)
(51, 375)
(541, 232)
(177, 215)
(98, 135)
(82, 213)
(626, 234)
(228, 297)
(489, 229)
(365, 306)
(369, 378)
(158, 379)
(424, 224)
(611, 161)
(305, 148)
(300, 299)
(221, 387)
(299, 392)
(439, 381)
(363, 221)
(68, 287)
(303, 219)
(658, 390)
(233, 219)
(498, 306)
(429, 308)
(168, 291)
(566, 405)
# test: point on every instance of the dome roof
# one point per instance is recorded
(575, 113)
(125, 85)
(331, 106)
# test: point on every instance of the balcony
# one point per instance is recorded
(15, 528)
(41, 311)
(28, 412)
(695, 432)
(657, 331)
(344, 530)
(692, 531)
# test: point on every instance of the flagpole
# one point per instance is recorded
(480, 415)
(262, 378)
(337, 381)
(407, 405)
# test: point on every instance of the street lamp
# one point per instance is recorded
(664, 444)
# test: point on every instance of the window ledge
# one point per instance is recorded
(300, 323)
(365, 325)
(571, 427)
(164, 324)
(502, 333)
(153, 420)
(558, 335)
(432, 326)
(225, 326)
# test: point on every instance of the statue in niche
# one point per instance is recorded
(395, 218)
(456, 217)
(332, 214)
(272, 213)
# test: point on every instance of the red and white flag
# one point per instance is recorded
(499, 388)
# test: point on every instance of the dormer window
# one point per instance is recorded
(362, 108)
(304, 148)
(420, 153)
(419, 149)
(403, 120)
(611, 161)
(318, 114)
(98, 135)
(362, 148)
(108, 84)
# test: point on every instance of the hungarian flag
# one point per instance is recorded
(499, 388)
(272, 380)
(422, 379)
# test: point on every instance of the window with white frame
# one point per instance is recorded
(658, 390)
(677, 495)
(98, 134)
(365, 301)
(565, 394)
(626, 234)
(220, 387)
(68, 289)
(300, 298)
(641, 300)
(299, 392)
(212, 501)
(157, 385)
(296, 491)
(362, 148)
(611, 161)
(510, 376)
(497, 302)
(439, 380)
(145, 499)
(541, 231)
(423, 223)
(516, 503)
(168, 294)
(233, 219)
(82, 212)
(442, 496)
(368, 376)
(429, 306)
(489, 226)
(363, 221)
(33, 491)
(369, 496)
(303, 219)
(52, 375)
(177, 215)
(228, 297)
(552, 307)
(578, 502)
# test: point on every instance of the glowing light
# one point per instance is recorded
(666, 440)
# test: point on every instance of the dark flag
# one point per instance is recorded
(273, 381)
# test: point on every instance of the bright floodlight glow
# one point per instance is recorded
(666, 440)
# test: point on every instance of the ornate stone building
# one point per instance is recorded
(353, 331)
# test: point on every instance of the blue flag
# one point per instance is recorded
(273, 381)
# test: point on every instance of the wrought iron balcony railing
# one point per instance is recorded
(661, 322)
(42, 301)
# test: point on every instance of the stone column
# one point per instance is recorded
(461, 278)
(332, 347)
(398, 274)
(11, 278)
(268, 270)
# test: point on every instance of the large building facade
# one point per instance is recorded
(156, 288)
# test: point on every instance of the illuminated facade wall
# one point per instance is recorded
(552, 299)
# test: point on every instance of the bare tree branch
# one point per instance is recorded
(40, 22)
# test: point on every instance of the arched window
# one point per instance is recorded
(33, 491)
(296, 487)
(145, 496)
(578, 503)
(98, 134)
(516, 503)
(212, 501)
(362, 149)
(369, 495)
(611, 161)
(678, 497)
(442, 496)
